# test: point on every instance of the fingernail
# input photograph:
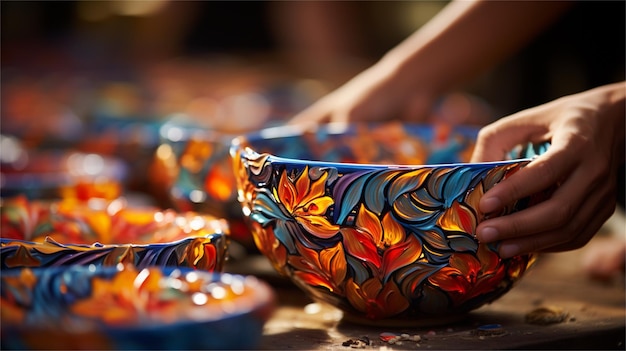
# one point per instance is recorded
(488, 234)
(490, 204)
(508, 250)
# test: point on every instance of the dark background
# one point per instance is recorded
(585, 48)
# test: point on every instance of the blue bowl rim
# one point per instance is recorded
(337, 128)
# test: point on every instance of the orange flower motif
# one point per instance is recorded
(201, 254)
(307, 202)
(384, 233)
(381, 244)
(265, 240)
(326, 268)
(124, 254)
(458, 218)
(375, 299)
(468, 276)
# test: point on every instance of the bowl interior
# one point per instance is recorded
(384, 143)
(103, 222)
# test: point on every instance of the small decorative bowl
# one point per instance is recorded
(58, 173)
(124, 308)
(194, 164)
(105, 233)
(383, 227)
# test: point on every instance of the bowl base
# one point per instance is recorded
(404, 322)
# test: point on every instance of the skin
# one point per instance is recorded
(457, 44)
(586, 130)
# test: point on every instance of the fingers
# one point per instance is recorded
(539, 175)
(585, 229)
(554, 213)
(496, 140)
(569, 237)
(315, 114)
(564, 222)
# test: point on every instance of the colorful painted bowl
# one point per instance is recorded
(155, 308)
(194, 164)
(58, 173)
(377, 220)
(106, 233)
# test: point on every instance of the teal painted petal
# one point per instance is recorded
(283, 234)
(437, 182)
(260, 218)
(375, 197)
(265, 205)
(410, 278)
(361, 273)
(409, 211)
(407, 182)
(457, 184)
(347, 193)
(426, 200)
(462, 243)
(435, 239)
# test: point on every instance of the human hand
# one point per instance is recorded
(455, 45)
(586, 131)
(381, 92)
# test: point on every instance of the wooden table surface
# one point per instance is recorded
(596, 315)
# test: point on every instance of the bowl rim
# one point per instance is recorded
(240, 143)
(263, 296)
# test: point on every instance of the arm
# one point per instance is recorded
(465, 38)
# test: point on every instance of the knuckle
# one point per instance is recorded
(579, 142)
(545, 171)
(563, 214)
(487, 134)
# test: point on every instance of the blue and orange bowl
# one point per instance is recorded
(100, 232)
(124, 308)
(378, 219)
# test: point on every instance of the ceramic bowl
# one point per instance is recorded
(195, 166)
(38, 233)
(125, 308)
(378, 219)
(58, 173)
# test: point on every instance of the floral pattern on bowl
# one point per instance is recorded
(94, 308)
(43, 233)
(381, 239)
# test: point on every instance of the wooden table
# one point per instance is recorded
(596, 315)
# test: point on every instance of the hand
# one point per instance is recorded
(457, 44)
(378, 93)
(586, 131)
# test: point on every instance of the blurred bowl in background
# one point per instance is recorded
(105, 233)
(124, 308)
(50, 173)
(378, 219)
(195, 167)
(116, 109)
